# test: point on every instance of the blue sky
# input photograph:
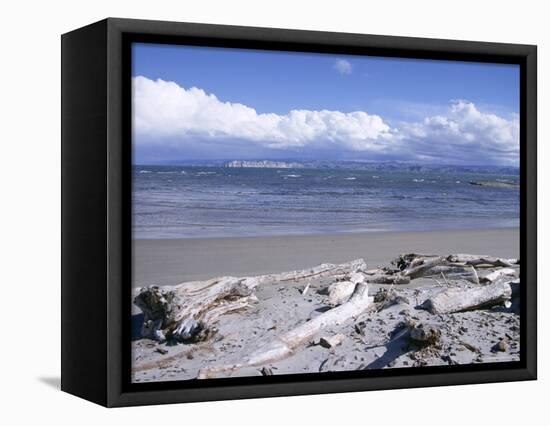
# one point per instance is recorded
(374, 108)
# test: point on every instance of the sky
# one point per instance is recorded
(200, 103)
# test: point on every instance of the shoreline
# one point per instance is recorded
(332, 233)
(172, 261)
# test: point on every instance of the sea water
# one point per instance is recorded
(190, 201)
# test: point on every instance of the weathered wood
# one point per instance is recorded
(453, 272)
(388, 279)
(460, 299)
(420, 268)
(479, 260)
(286, 344)
(407, 260)
(421, 265)
(498, 274)
(186, 311)
(339, 292)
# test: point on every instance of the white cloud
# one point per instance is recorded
(170, 117)
(464, 133)
(343, 67)
(165, 111)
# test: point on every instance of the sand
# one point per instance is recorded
(168, 262)
(370, 340)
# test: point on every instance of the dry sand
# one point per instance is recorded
(371, 340)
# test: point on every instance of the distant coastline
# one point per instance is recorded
(341, 165)
(264, 164)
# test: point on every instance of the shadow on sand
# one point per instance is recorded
(394, 349)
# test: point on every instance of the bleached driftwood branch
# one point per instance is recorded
(186, 312)
(460, 299)
(286, 344)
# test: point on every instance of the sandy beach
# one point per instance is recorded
(172, 261)
(379, 337)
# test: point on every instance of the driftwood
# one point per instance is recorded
(387, 279)
(463, 266)
(422, 267)
(339, 292)
(479, 261)
(187, 311)
(459, 299)
(286, 344)
(505, 273)
(459, 272)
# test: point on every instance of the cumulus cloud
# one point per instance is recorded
(169, 118)
(465, 134)
(165, 111)
(343, 67)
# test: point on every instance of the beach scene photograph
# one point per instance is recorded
(304, 213)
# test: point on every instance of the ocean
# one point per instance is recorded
(191, 201)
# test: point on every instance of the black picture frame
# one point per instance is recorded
(96, 211)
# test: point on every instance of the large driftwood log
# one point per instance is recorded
(422, 267)
(481, 260)
(459, 299)
(414, 265)
(286, 344)
(187, 311)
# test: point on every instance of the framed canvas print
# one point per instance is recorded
(252, 212)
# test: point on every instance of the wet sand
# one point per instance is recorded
(172, 261)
